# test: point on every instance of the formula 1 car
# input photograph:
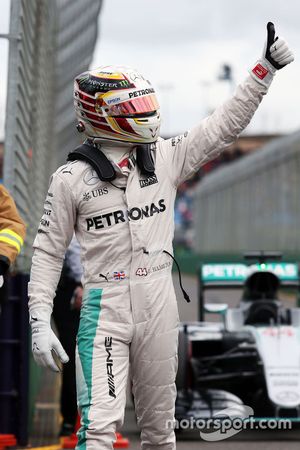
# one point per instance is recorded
(252, 355)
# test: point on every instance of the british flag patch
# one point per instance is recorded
(119, 275)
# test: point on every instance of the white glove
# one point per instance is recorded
(44, 340)
(276, 55)
(1, 281)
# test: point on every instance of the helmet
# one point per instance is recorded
(116, 103)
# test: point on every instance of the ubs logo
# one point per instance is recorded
(95, 193)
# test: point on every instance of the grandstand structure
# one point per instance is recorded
(253, 203)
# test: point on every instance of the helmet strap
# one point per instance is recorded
(104, 168)
(96, 158)
(144, 159)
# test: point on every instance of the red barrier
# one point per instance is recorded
(7, 440)
(121, 442)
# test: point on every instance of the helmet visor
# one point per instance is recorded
(137, 106)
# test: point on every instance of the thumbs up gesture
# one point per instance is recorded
(276, 50)
(276, 55)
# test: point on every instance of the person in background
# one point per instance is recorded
(66, 313)
(12, 232)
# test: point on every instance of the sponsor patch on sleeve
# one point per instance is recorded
(260, 71)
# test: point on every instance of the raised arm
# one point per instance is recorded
(186, 154)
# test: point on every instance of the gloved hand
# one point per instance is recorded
(276, 55)
(44, 340)
(276, 50)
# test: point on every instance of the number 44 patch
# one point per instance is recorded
(142, 272)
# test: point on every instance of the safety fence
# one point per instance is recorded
(254, 204)
(50, 43)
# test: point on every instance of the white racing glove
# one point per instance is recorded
(276, 55)
(44, 341)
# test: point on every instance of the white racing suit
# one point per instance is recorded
(129, 311)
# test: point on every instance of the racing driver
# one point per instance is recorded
(117, 192)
